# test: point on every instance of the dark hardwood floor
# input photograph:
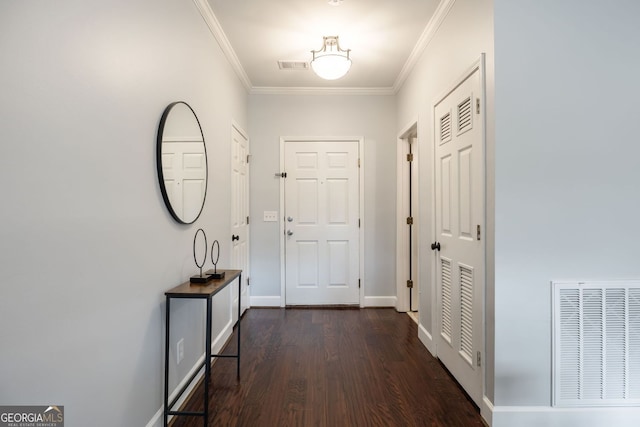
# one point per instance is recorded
(331, 367)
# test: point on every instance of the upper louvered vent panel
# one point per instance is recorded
(446, 299)
(445, 128)
(293, 65)
(466, 313)
(465, 116)
(596, 344)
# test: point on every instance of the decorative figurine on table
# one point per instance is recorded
(200, 278)
(214, 273)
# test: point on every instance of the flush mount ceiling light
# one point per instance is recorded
(330, 62)
(335, 2)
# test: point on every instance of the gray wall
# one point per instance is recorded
(567, 197)
(371, 117)
(87, 247)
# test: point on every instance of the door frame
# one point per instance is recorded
(478, 65)
(402, 180)
(360, 141)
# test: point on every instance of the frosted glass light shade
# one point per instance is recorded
(331, 66)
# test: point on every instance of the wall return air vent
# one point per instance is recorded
(596, 343)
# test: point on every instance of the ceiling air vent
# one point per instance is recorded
(293, 65)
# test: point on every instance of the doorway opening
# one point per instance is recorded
(408, 289)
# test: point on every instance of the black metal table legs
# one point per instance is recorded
(208, 356)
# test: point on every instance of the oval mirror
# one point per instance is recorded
(181, 158)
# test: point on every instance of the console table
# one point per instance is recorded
(206, 292)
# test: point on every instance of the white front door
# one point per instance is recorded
(240, 217)
(459, 220)
(321, 222)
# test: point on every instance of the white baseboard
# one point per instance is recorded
(536, 416)
(380, 301)
(486, 411)
(275, 301)
(426, 339)
(216, 346)
(257, 301)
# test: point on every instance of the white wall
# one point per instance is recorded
(465, 34)
(371, 117)
(567, 198)
(87, 247)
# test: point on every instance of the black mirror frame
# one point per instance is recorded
(165, 196)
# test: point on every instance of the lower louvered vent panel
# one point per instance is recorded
(446, 323)
(596, 344)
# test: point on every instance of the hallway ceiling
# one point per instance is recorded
(382, 34)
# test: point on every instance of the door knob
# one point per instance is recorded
(236, 237)
(290, 219)
(289, 233)
(435, 246)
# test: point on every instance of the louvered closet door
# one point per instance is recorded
(459, 210)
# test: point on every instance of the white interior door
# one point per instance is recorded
(321, 222)
(459, 220)
(240, 216)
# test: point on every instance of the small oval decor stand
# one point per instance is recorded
(214, 273)
(200, 278)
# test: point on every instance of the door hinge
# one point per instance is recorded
(247, 220)
(248, 281)
(409, 283)
(358, 283)
(477, 105)
(248, 155)
(410, 157)
(358, 222)
(358, 161)
(479, 358)
(410, 220)
(478, 232)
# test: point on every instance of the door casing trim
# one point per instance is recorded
(402, 292)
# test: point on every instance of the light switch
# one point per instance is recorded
(270, 216)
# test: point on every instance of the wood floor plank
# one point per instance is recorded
(331, 367)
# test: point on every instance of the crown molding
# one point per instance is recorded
(365, 91)
(427, 35)
(216, 29)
